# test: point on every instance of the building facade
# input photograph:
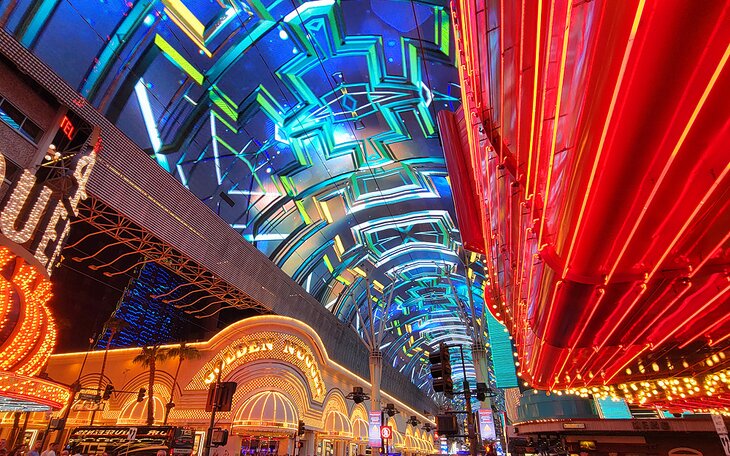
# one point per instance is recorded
(689, 436)
(283, 375)
(46, 156)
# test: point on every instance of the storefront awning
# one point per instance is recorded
(268, 411)
(360, 430)
(337, 426)
(398, 441)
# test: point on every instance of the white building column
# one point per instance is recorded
(481, 367)
(376, 373)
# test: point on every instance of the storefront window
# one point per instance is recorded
(259, 446)
(14, 118)
(325, 448)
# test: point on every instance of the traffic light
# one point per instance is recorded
(483, 391)
(441, 370)
(108, 390)
(221, 396)
(300, 429)
(141, 394)
(447, 424)
(219, 437)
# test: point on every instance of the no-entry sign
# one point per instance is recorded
(386, 432)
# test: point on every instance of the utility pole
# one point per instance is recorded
(209, 435)
(471, 428)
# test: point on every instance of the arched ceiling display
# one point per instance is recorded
(309, 127)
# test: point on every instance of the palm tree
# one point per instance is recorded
(181, 352)
(148, 357)
(115, 326)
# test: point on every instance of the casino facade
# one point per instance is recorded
(283, 375)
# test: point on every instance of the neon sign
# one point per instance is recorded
(287, 349)
(68, 128)
(31, 218)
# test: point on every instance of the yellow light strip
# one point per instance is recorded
(339, 248)
(378, 286)
(326, 211)
(528, 183)
(187, 22)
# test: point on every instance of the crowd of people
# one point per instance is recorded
(52, 450)
(23, 450)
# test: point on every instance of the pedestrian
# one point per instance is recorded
(35, 450)
(51, 451)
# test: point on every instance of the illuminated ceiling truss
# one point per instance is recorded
(597, 139)
(308, 126)
(204, 293)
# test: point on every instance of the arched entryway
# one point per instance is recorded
(359, 421)
(135, 413)
(267, 423)
(336, 434)
(338, 431)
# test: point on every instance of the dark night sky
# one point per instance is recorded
(83, 299)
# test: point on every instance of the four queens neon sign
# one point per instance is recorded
(33, 219)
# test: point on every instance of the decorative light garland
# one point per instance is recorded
(662, 391)
(38, 390)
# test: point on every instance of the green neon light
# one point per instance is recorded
(243, 159)
(288, 184)
(303, 213)
(178, 60)
(328, 263)
(224, 106)
(442, 28)
(224, 122)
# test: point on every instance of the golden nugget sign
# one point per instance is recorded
(287, 349)
(35, 218)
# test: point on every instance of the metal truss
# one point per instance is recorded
(208, 294)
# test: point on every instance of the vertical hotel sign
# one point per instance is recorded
(374, 429)
(35, 219)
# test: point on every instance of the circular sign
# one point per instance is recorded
(386, 432)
